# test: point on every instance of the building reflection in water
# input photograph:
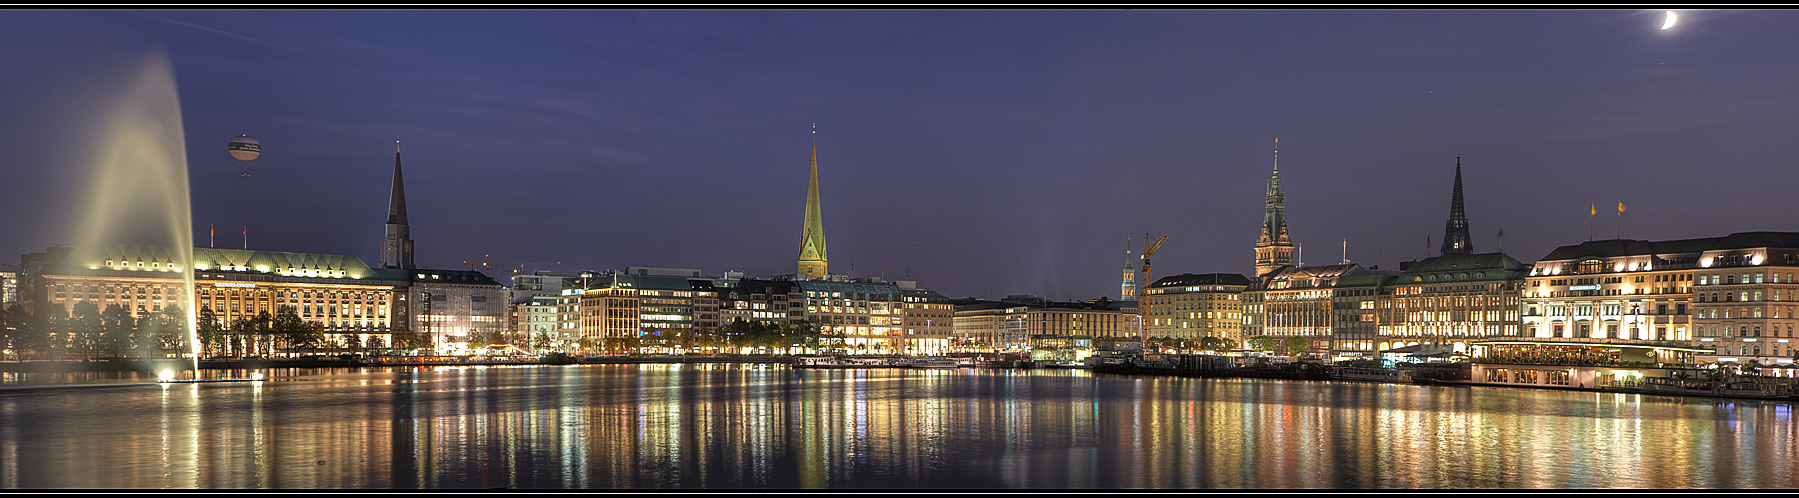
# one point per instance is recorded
(750, 426)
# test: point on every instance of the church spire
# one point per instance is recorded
(1274, 248)
(813, 258)
(1455, 232)
(396, 247)
(1128, 290)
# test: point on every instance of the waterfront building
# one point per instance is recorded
(1356, 302)
(1195, 306)
(814, 262)
(1614, 289)
(771, 302)
(989, 327)
(536, 320)
(1274, 248)
(1578, 363)
(667, 307)
(1444, 303)
(532, 309)
(1743, 298)
(340, 292)
(1071, 331)
(1296, 301)
(929, 320)
(863, 316)
(455, 307)
(9, 285)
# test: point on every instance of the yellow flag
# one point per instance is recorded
(1593, 209)
(1620, 206)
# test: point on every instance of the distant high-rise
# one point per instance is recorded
(813, 261)
(1128, 290)
(1455, 232)
(1274, 248)
(396, 247)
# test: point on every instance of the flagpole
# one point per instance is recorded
(1620, 220)
(1591, 212)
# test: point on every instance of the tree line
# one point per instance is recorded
(87, 332)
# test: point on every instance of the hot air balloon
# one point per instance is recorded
(244, 148)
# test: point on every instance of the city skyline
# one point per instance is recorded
(938, 180)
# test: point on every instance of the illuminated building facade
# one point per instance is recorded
(773, 302)
(9, 284)
(860, 316)
(1070, 331)
(1614, 289)
(608, 312)
(929, 320)
(1355, 304)
(1448, 301)
(990, 327)
(1296, 301)
(455, 307)
(1743, 298)
(340, 292)
(1194, 306)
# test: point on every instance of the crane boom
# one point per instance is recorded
(1143, 294)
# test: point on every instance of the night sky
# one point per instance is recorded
(978, 153)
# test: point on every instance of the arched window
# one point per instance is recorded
(1758, 331)
(1591, 266)
(1743, 331)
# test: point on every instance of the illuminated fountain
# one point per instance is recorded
(138, 184)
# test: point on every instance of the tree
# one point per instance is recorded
(1262, 342)
(39, 332)
(1296, 345)
(84, 328)
(211, 331)
(1214, 343)
(376, 344)
(117, 329)
(807, 335)
(353, 341)
(172, 331)
(477, 340)
(287, 328)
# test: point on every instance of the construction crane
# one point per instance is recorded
(1149, 249)
(486, 264)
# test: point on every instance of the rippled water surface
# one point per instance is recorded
(738, 426)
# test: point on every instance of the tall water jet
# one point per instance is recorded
(138, 184)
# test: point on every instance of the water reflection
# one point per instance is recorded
(747, 426)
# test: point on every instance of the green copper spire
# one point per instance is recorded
(813, 260)
(1274, 248)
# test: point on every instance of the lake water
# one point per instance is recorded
(749, 426)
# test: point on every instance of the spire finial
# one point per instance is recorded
(396, 146)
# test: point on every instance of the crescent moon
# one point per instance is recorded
(1670, 22)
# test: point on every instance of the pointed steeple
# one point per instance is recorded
(396, 201)
(396, 247)
(814, 261)
(1128, 290)
(1274, 248)
(1455, 232)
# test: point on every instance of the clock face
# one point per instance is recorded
(390, 245)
